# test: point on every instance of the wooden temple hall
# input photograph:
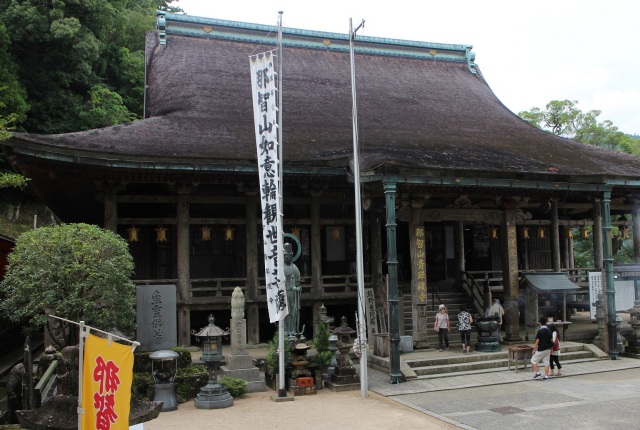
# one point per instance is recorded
(457, 191)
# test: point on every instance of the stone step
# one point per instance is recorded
(494, 369)
(565, 351)
(467, 362)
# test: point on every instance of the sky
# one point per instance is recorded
(529, 52)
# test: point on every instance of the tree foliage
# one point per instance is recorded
(563, 118)
(63, 52)
(75, 271)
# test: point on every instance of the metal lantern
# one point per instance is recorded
(133, 233)
(161, 234)
(229, 232)
(205, 233)
(213, 395)
(164, 377)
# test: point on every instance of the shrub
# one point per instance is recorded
(80, 272)
(236, 387)
(323, 355)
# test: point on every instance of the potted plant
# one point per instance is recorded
(323, 355)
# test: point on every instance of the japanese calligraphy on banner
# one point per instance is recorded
(106, 384)
(265, 114)
(421, 266)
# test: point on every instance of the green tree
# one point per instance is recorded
(75, 271)
(13, 103)
(105, 108)
(65, 49)
(563, 118)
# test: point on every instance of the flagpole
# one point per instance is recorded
(361, 325)
(282, 391)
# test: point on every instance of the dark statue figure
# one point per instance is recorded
(292, 284)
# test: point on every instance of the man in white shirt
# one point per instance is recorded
(496, 308)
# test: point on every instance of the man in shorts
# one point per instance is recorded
(542, 350)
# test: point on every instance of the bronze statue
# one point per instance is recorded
(292, 284)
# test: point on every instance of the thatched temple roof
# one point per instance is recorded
(423, 109)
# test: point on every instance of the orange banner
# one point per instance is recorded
(106, 384)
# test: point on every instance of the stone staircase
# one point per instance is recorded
(452, 301)
(473, 363)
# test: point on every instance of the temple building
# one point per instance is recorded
(457, 191)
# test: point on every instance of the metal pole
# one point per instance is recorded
(282, 391)
(361, 326)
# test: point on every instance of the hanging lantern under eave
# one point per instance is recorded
(540, 232)
(494, 232)
(569, 233)
(525, 233)
(584, 233)
(161, 234)
(229, 232)
(133, 233)
(296, 232)
(205, 233)
(335, 233)
(625, 232)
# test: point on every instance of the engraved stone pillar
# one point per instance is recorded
(239, 363)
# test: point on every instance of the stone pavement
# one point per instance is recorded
(584, 401)
(590, 395)
(379, 381)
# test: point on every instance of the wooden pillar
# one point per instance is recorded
(109, 196)
(635, 230)
(392, 264)
(509, 247)
(417, 251)
(376, 250)
(555, 237)
(458, 238)
(316, 246)
(597, 235)
(251, 243)
(110, 211)
(184, 283)
(566, 242)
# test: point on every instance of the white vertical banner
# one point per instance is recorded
(265, 114)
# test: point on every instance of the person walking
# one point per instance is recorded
(555, 351)
(542, 350)
(441, 326)
(497, 309)
(464, 327)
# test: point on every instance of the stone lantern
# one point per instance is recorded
(345, 377)
(633, 339)
(213, 395)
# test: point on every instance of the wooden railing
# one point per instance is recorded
(219, 290)
(473, 283)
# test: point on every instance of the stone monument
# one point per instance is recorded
(345, 377)
(239, 363)
(156, 317)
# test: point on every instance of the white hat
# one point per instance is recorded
(440, 307)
